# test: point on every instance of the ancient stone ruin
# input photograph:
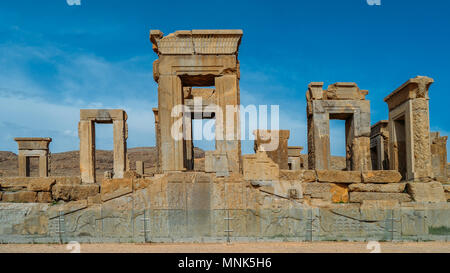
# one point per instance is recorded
(30, 147)
(394, 185)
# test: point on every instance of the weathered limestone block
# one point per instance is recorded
(113, 188)
(275, 143)
(330, 176)
(358, 197)
(381, 176)
(308, 176)
(216, 162)
(336, 193)
(44, 197)
(66, 208)
(339, 193)
(345, 91)
(131, 174)
(260, 167)
(93, 200)
(141, 183)
(285, 189)
(298, 175)
(426, 192)
(20, 197)
(68, 180)
(74, 192)
(289, 175)
(365, 187)
(13, 183)
(40, 184)
(376, 210)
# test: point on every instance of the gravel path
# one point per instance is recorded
(287, 247)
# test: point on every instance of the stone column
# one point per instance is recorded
(120, 148)
(86, 133)
(319, 157)
(227, 88)
(170, 94)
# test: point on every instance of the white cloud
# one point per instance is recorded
(47, 104)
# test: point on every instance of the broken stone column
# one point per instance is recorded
(439, 156)
(275, 144)
(33, 147)
(409, 129)
(344, 101)
(86, 132)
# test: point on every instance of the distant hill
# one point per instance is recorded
(68, 163)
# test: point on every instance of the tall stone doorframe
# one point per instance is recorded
(409, 129)
(33, 147)
(379, 145)
(189, 59)
(86, 132)
(343, 101)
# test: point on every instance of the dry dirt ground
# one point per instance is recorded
(301, 247)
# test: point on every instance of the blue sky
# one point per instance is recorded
(56, 59)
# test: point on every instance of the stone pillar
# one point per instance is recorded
(120, 147)
(319, 153)
(227, 88)
(43, 164)
(158, 140)
(265, 141)
(86, 133)
(409, 129)
(188, 142)
(439, 156)
(170, 94)
(140, 167)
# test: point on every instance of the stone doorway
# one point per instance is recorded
(400, 145)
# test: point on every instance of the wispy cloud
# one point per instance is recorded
(44, 87)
